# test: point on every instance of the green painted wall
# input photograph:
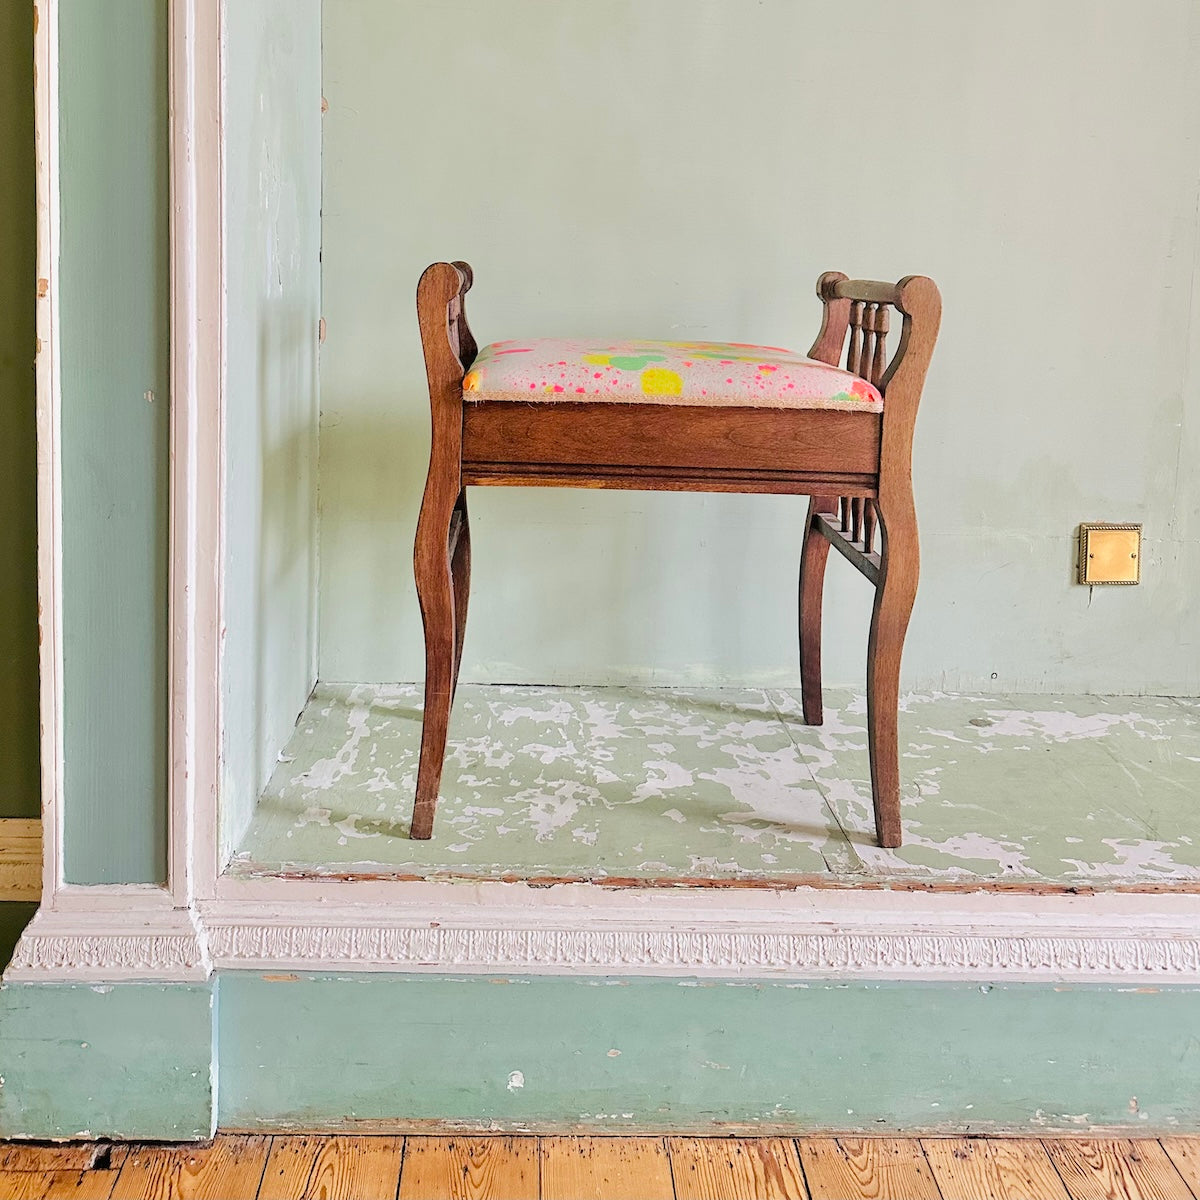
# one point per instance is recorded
(19, 784)
(686, 170)
(273, 226)
(115, 333)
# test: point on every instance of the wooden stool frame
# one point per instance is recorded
(856, 467)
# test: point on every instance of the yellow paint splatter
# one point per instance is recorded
(658, 381)
(597, 360)
(471, 383)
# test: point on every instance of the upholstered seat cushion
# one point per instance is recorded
(700, 373)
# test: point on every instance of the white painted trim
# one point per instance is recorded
(804, 934)
(49, 441)
(197, 381)
(113, 935)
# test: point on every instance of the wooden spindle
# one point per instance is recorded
(879, 362)
(854, 352)
(867, 352)
(856, 518)
(844, 512)
(869, 518)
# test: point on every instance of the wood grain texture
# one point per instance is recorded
(289, 1167)
(22, 1185)
(1117, 1169)
(79, 1185)
(668, 436)
(470, 1168)
(231, 1166)
(356, 1168)
(1008, 1169)
(439, 308)
(78, 1156)
(20, 859)
(599, 1168)
(1184, 1153)
(881, 1168)
(736, 1168)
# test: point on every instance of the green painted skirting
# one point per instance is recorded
(650, 1054)
(384, 1051)
(132, 1060)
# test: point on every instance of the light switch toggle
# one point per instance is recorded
(1110, 553)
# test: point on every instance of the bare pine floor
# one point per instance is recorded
(608, 1168)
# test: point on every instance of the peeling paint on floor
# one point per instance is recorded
(725, 785)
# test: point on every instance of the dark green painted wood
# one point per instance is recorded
(115, 333)
(130, 1060)
(19, 783)
(335, 1051)
(14, 916)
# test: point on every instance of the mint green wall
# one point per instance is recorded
(273, 248)
(114, 324)
(686, 170)
(19, 785)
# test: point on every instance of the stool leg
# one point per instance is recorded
(435, 591)
(460, 572)
(894, 596)
(812, 590)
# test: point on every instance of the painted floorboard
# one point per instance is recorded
(883, 1168)
(599, 1168)
(1117, 1169)
(470, 1168)
(732, 1169)
(731, 785)
(1010, 1169)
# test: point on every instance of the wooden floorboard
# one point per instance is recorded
(1003, 1169)
(470, 1168)
(230, 1167)
(356, 1168)
(605, 1168)
(734, 1168)
(878, 1167)
(294, 1167)
(1184, 1152)
(1117, 1169)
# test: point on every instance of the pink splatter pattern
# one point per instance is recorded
(705, 373)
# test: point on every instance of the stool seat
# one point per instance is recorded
(650, 372)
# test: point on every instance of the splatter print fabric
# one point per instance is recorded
(700, 373)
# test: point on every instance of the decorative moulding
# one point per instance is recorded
(944, 945)
(137, 942)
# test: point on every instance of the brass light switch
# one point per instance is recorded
(1110, 553)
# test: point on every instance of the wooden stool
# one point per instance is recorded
(687, 416)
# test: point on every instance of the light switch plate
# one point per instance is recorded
(1110, 553)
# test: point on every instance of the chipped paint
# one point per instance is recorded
(724, 787)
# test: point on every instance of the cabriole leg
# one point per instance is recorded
(894, 596)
